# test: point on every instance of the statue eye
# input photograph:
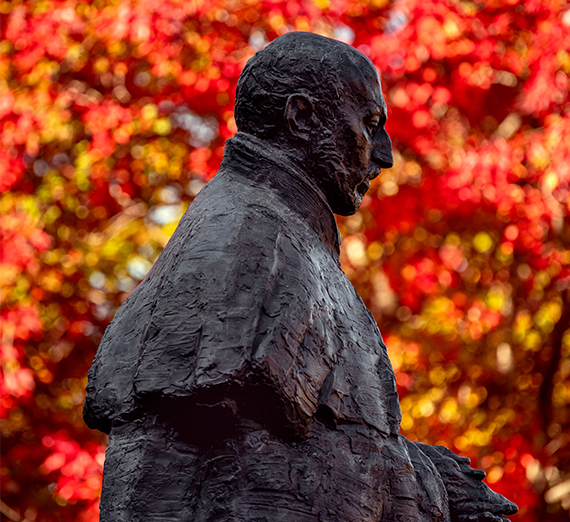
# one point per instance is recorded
(372, 122)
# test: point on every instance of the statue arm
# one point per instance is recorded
(182, 341)
(470, 499)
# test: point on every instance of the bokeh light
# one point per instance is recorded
(114, 115)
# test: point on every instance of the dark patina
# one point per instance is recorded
(244, 379)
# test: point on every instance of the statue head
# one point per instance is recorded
(320, 101)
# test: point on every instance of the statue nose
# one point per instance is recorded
(382, 152)
(384, 159)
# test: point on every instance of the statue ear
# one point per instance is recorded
(300, 116)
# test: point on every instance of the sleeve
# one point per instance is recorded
(470, 499)
(205, 316)
(243, 335)
(188, 329)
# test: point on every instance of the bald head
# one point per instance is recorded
(295, 63)
(320, 102)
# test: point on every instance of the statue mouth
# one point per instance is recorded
(364, 185)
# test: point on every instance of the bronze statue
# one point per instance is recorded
(244, 379)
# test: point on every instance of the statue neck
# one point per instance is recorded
(263, 163)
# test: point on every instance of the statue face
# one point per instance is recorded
(358, 145)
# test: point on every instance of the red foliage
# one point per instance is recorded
(113, 115)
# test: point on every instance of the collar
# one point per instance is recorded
(264, 164)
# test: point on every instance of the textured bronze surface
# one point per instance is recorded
(244, 379)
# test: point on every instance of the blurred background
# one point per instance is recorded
(114, 114)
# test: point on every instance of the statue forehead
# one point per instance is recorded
(362, 85)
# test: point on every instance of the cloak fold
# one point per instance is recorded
(247, 317)
(248, 300)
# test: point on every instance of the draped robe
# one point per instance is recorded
(247, 344)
